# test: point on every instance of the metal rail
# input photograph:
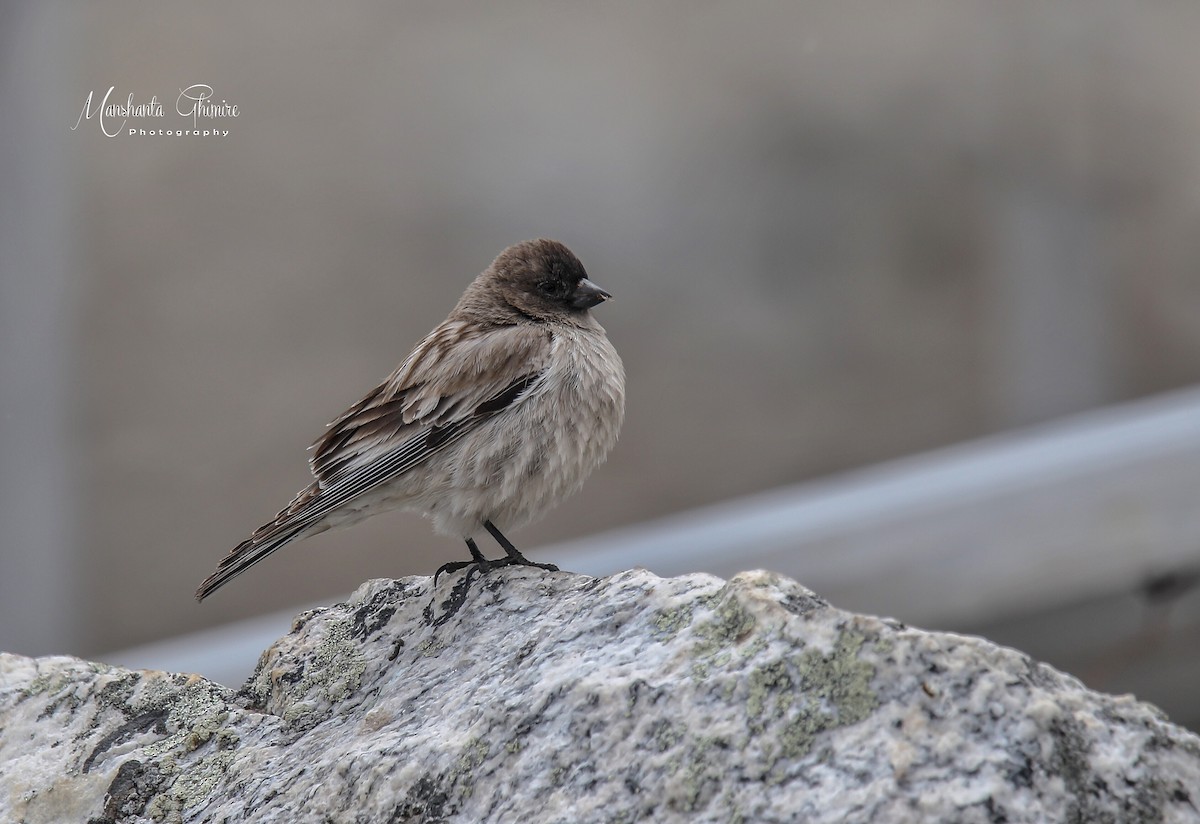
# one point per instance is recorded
(1098, 505)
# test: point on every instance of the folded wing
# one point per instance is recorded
(454, 381)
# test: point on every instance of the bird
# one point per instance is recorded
(499, 413)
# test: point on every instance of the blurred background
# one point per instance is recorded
(838, 234)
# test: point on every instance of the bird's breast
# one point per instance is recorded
(548, 442)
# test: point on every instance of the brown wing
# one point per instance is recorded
(441, 385)
(452, 383)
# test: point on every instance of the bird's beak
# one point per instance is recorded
(587, 295)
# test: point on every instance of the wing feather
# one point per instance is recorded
(445, 379)
(455, 380)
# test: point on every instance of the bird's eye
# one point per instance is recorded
(553, 288)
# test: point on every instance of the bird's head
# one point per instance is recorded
(538, 280)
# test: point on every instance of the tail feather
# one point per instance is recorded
(288, 524)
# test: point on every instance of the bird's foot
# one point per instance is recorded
(526, 562)
(488, 565)
(452, 567)
(515, 557)
(475, 567)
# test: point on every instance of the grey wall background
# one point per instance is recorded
(837, 233)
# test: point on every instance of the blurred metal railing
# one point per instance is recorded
(1088, 507)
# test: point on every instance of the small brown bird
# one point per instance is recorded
(499, 413)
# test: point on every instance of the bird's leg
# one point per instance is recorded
(478, 560)
(514, 555)
(477, 557)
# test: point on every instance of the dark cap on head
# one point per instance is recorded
(538, 280)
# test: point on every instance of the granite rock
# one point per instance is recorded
(521, 695)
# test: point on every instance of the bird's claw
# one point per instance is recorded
(489, 565)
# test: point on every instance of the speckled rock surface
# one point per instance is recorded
(520, 695)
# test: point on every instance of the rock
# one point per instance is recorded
(519, 695)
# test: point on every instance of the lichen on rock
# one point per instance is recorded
(520, 694)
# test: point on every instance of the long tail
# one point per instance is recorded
(288, 525)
